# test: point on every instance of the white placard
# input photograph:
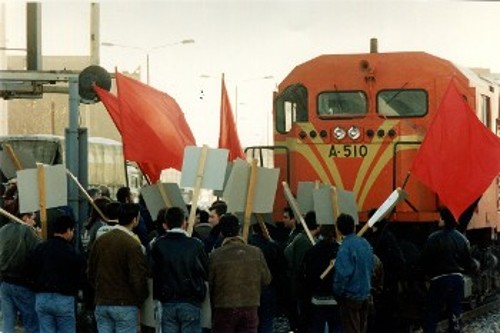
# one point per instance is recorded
(394, 198)
(229, 168)
(305, 196)
(235, 192)
(347, 204)
(215, 167)
(325, 210)
(56, 188)
(154, 200)
(322, 199)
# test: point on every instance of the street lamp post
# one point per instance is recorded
(147, 51)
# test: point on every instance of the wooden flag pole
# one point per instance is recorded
(42, 199)
(263, 226)
(197, 188)
(296, 210)
(13, 157)
(10, 216)
(89, 198)
(252, 181)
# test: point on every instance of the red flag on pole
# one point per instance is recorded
(113, 107)
(157, 131)
(459, 157)
(228, 133)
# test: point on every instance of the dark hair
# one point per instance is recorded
(113, 210)
(289, 211)
(310, 219)
(62, 223)
(220, 208)
(345, 224)
(447, 217)
(127, 213)
(328, 231)
(229, 225)
(174, 217)
(160, 219)
(203, 216)
(123, 194)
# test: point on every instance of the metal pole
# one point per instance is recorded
(72, 149)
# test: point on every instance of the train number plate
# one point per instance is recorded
(348, 151)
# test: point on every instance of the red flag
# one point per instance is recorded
(459, 157)
(228, 133)
(156, 130)
(113, 107)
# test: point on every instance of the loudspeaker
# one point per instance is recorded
(90, 76)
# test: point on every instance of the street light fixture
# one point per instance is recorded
(148, 50)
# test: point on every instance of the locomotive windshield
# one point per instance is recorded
(402, 103)
(291, 106)
(342, 103)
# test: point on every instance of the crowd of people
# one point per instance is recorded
(137, 273)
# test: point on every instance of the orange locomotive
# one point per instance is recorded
(357, 121)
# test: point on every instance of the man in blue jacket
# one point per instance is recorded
(352, 278)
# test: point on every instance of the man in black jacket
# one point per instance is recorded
(445, 257)
(58, 271)
(180, 269)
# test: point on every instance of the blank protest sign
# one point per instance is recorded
(56, 187)
(214, 172)
(154, 200)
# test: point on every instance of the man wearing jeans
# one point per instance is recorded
(16, 240)
(352, 277)
(58, 271)
(445, 257)
(180, 270)
(118, 272)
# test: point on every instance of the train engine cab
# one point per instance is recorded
(357, 122)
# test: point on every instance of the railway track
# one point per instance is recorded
(471, 315)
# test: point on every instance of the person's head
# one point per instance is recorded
(105, 191)
(94, 193)
(310, 219)
(215, 212)
(64, 227)
(102, 204)
(229, 225)
(289, 218)
(327, 231)
(161, 222)
(175, 218)
(128, 215)
(124, 195)
(447, 218)
(345, 224)
(29, 218)
(112, 210)
(202, 216)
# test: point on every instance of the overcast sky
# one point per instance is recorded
(249, 40)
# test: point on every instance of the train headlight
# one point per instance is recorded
(354, 132)
(339, 133)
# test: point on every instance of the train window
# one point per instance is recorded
(291, 107)
(342, 104)
(402, 103)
